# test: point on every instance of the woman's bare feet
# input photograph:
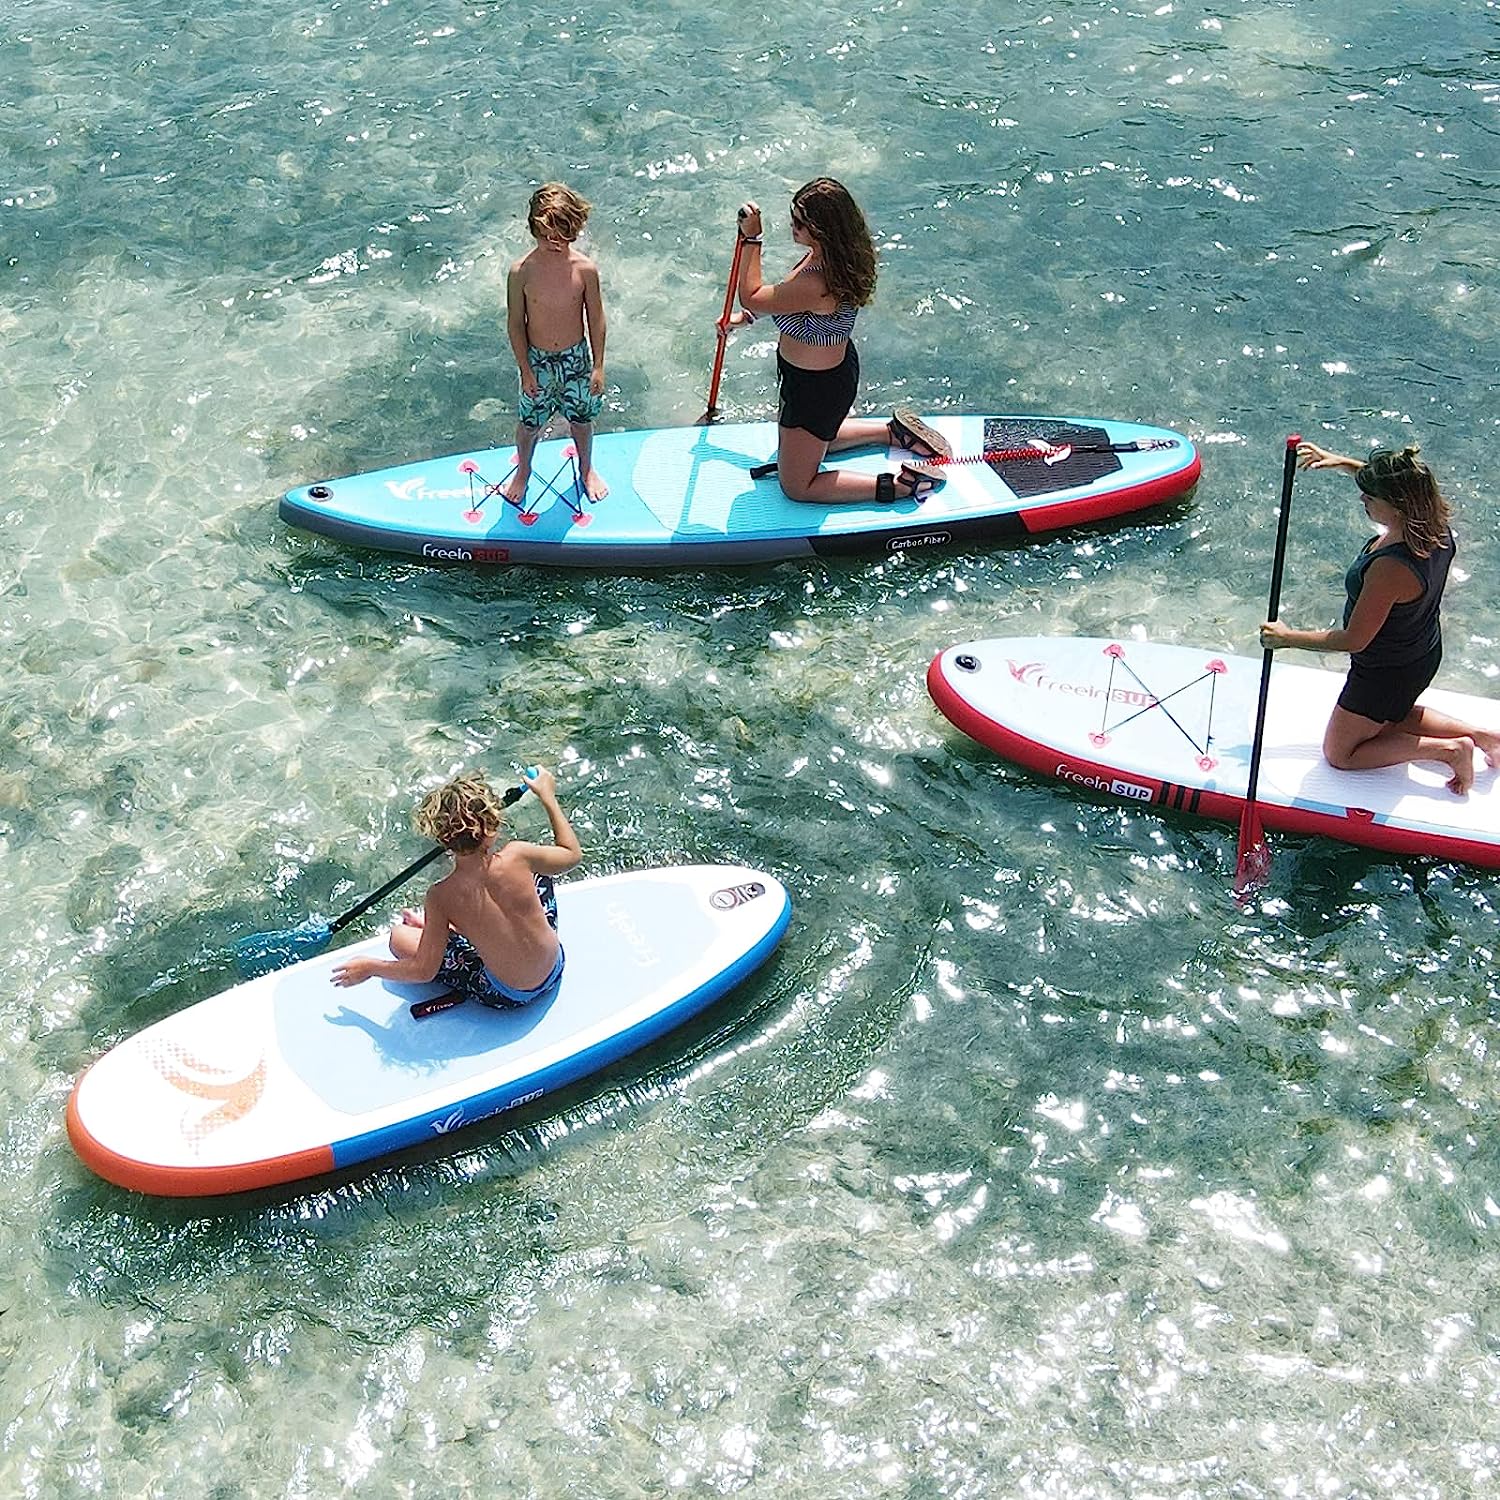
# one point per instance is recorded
(594, 484)
(1488, 744)
(1461, 759)
(514, 488)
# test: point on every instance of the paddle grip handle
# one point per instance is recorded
(1278, 566)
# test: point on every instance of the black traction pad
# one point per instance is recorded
(1030, 476)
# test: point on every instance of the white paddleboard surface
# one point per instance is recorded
(1173, 725)
(684, 496)
(288, 1075)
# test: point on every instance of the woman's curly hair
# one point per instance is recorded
(462, 815)
(1401, 479)
(835, 221)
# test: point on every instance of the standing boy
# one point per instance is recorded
(484, 929)
(555, 316)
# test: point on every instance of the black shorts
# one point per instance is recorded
(818, 400)
(1388, 694)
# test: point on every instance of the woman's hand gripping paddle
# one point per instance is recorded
(1253, 862)
(264, 952)
(722, 325)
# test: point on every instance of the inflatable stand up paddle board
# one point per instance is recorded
(1172, 726)
(288, 1075)
(686, 496)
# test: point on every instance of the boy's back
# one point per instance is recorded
(496, 907)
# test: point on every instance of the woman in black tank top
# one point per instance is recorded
(1391, 627)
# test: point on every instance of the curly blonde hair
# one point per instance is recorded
(828, 209)
(462, 815)
(1402, 480)
(556, 212)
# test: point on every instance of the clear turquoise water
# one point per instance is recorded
(1034, 1166)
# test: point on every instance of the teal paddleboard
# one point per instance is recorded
(687, 496)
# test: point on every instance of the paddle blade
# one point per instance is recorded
(1252, 868)
(264, 952)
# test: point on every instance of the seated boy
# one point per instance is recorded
(484, 930)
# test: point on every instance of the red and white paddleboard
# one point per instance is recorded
(1172, 726)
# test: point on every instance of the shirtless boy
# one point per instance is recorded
(555, 317)
(484, 930)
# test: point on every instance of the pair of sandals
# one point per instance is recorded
(906, 429)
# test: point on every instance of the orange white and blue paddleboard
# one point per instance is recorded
(289, 1076)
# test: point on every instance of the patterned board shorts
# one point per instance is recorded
(563, 375)
(463, 971)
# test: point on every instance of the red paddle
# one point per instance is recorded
(1253, 861)
(722, 325)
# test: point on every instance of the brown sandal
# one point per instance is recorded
(908, 430)
(918, 479)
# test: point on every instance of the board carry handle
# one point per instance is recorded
(421, 1009)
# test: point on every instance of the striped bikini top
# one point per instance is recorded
(818, 328)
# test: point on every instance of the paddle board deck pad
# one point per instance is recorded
(288, 1076)
(684, 496)
(1172, 726)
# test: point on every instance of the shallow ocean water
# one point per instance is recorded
(1033, 1165)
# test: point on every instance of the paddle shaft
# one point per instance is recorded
(417, 865)
(1288, 474)
(723, 326)
(1016, 455)
(510, 795)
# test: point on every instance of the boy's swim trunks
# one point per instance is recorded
(463, 970)
(563, 377)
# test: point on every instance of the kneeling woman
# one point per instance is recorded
(1391, 627)
(815, 309)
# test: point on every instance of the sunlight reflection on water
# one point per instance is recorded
(1033, 1165)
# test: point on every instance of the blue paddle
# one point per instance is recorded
(264, 952)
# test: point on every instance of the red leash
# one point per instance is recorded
(1049, 454)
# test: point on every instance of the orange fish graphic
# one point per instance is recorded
(191, 1075)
